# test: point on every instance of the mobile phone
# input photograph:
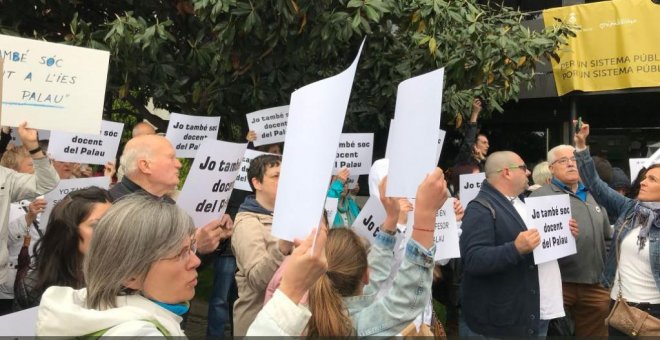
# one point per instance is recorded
(578, 125)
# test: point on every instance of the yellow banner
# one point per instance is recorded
(617, 46)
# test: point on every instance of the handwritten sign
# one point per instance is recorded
(269, 124)
(470, 185)
(441, 141)
(331, 209)
(66, 186)
(316, 117)
(242, 182)
(86, 148)
(355, 152)
(636, 164)
(23, 323)
(211, 179)
(188, 132)
(41, 134)
(52, 86)
(550, 215)
(446, 232)
(371, 217)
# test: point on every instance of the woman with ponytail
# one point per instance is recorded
(343, 301)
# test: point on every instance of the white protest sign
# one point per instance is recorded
(66, 186)
(205, 193)
(355, 152)
(331, 209)
(415, 139)
(446, 232)
(654, 159)
(23, 323)
(188, 132)
(636, 164)
(242, 182)
(352, 181)
(269, 124)
(52, 86)
(470, 185)
(550, 215)
(371, 217)
(42, 134)
(316, 117)
(85, 148)
(441, 142)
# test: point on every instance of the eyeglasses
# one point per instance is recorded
(522, 167)
(184, 254)
(564, 160)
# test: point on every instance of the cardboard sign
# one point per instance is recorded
(242, 182)
(66, 186)
(371, 217)
(210, 181)
(23, 323)
(316, 117)
(85, 148)
(331, 209)
(269, 124)
(52, 86)
(470, 185)
(415, 138)
(446, 233)
(550, 215)
(188, 132)
(355, 152)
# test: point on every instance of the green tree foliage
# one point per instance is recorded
(230, 57)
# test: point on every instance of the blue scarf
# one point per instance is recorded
(177, 308)
(645, 215)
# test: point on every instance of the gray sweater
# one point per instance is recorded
(594, 228)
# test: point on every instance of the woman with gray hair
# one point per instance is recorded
(140, 273)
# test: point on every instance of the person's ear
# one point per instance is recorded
(143, 166)
(133, 283)
(365, 277)
(255, 183)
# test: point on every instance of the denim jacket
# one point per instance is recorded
(622, 207)
(406, 300)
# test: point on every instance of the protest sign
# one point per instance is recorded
(66, 186)
(550, 215)
(446, 232)
(210, 181)
(371, 217)
(188, 132)
(415, 141)
(19, 324)
(352, 181)
(316, 117)
(636, 164)
(41, 134)
(331, 209)
(269, 124)
(85, 148)
(441, 142)
(242, 182)
(52, 86)
(355, 152)
(470, 185)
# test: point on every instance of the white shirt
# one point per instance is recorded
(635, 269)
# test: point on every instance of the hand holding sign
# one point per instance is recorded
(209, 236)
(28, 136)
(575, 231)
(527, 240)
(391, 206)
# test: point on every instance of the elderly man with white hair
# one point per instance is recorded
(584, 297)
(152, 168)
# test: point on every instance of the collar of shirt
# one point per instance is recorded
(581, 191)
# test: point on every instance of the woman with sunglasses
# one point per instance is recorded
(140, 271)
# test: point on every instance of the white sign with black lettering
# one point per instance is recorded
(66, 186)
(211, 179)
(331, 209)
(43, 135)
(441, 142)
(550, 215)
(470, 185)
(242, 182)
(636, 164)
(446, 232)
(355, 152)
(84, 148)
(186, 133)
(371, 217)
(269, 124)
(352, 181)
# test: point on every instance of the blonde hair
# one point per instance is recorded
(541, 173)
(13, 157)
(347, 264)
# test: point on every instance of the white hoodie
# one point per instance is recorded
(62, 312)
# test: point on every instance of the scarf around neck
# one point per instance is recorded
(645, 216)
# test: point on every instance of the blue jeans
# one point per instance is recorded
(223, 295)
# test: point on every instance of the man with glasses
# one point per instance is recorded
(584, 298)
(500, 287)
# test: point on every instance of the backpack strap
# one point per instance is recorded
(486, 204)
(101, 332)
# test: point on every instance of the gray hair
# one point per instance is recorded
(134, 233)
(553, 151)
(541, 173)
(136, 149)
